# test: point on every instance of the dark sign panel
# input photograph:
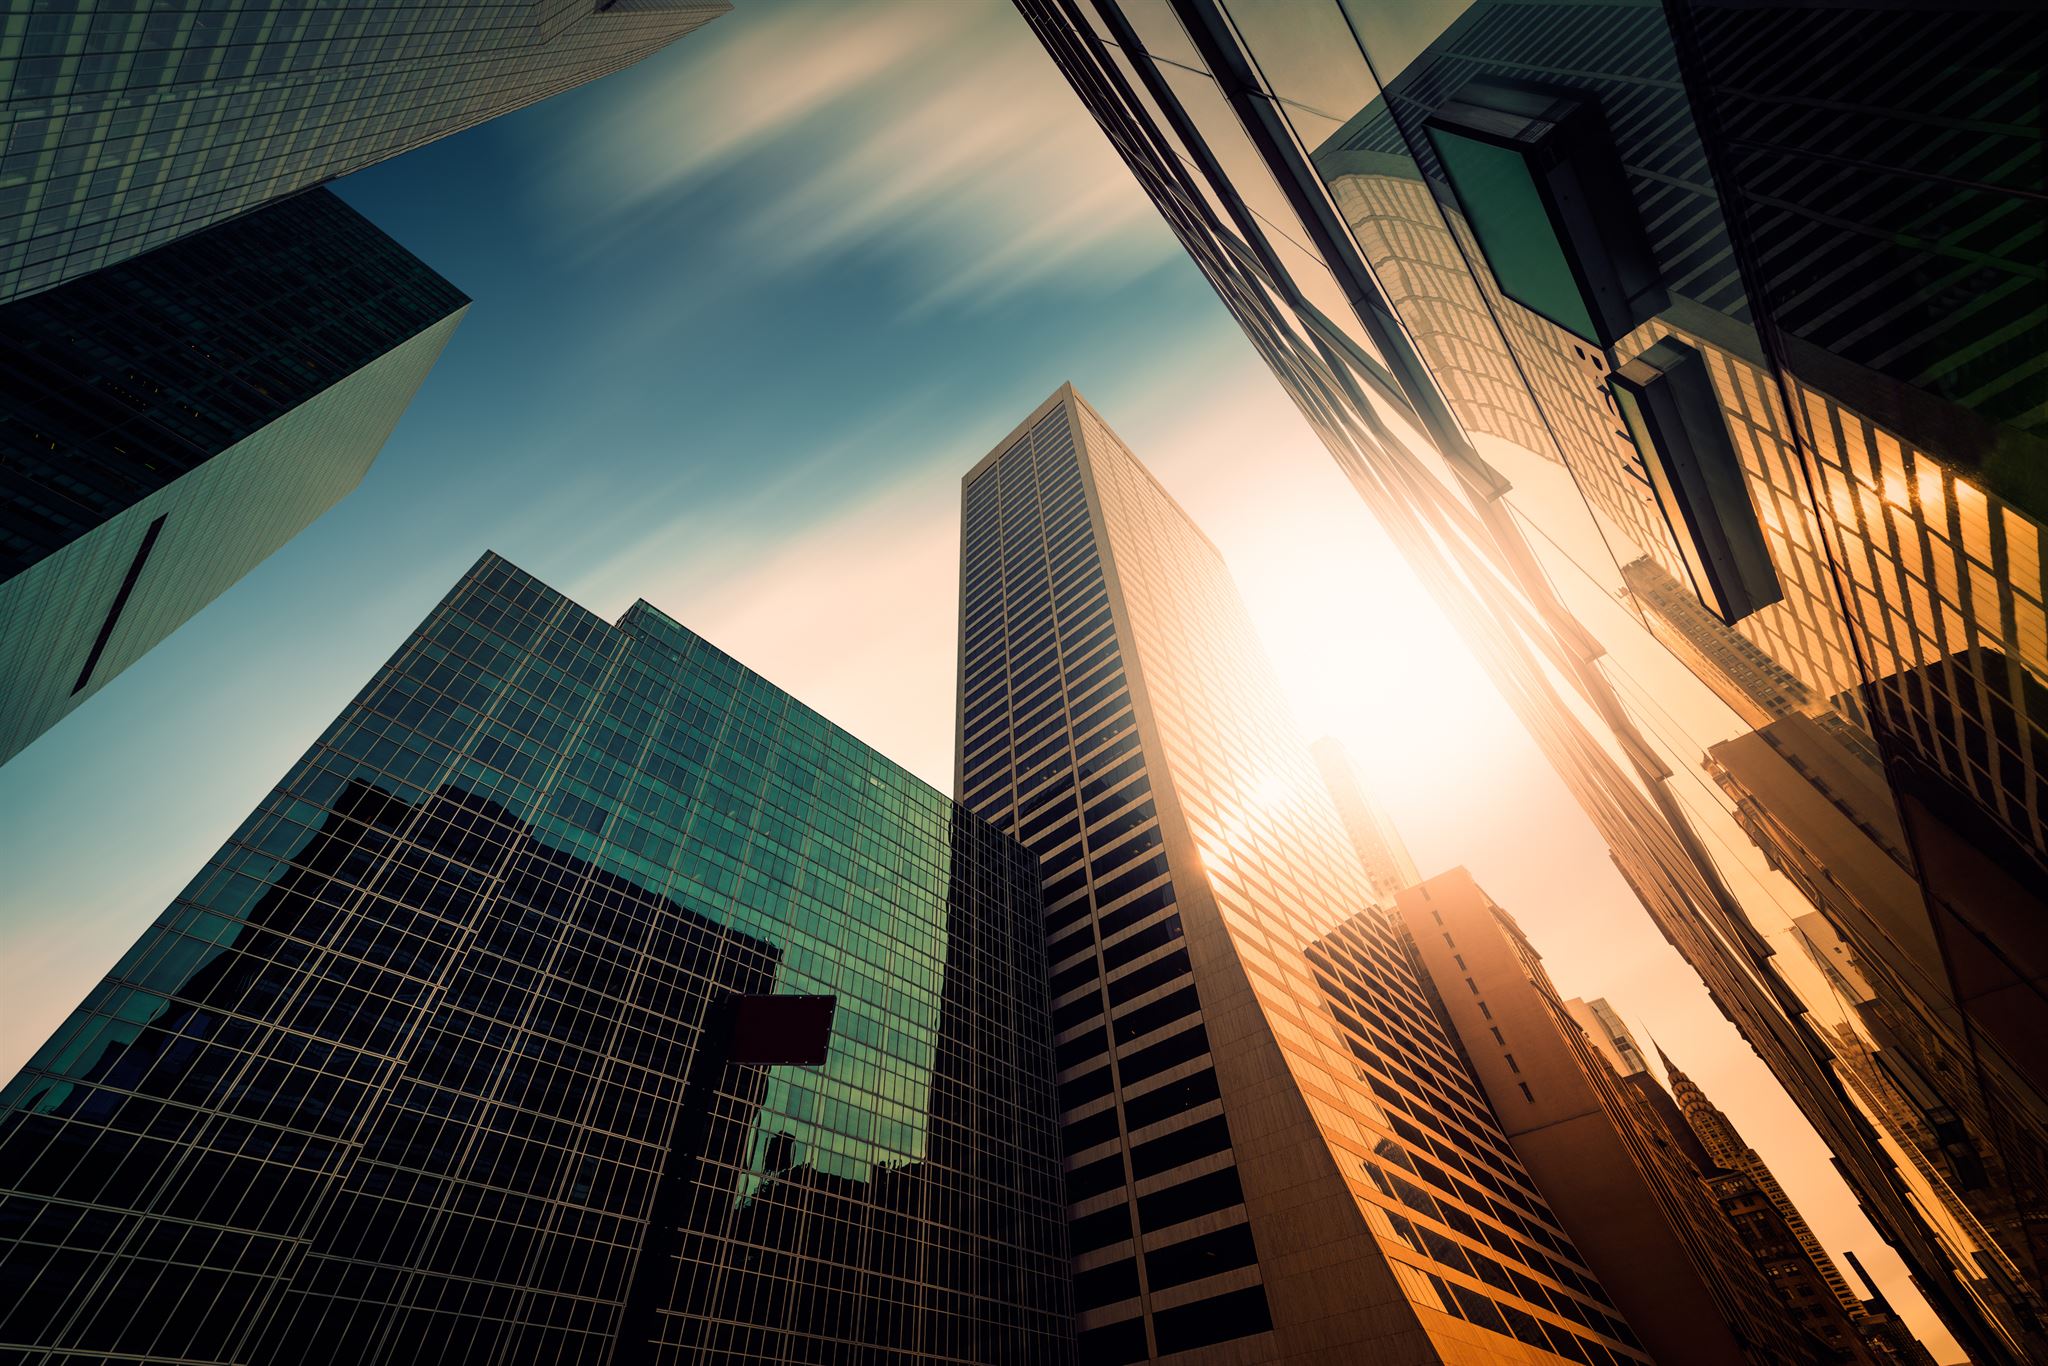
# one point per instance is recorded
(782, 1030)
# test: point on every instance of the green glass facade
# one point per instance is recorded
(126, 126)
(398, 1076)
(168, 422)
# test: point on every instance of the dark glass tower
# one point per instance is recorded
(1887, 162)
(167, 423)
(128, 128)
(438, 1059)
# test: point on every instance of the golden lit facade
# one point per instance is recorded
(1273, 1151)
(1803, 1260)
(1901, 1055)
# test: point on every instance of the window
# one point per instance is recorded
(1123, 1341)
(99, 645)
(1197, 1258)
(1667, 400)
(1525, 1092)
(1541, 185)
(1106, 1284)
(1237, 1314)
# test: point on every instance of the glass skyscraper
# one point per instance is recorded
(128, 127)
(168, 422)
(1273, 1151)
(1690, 353)
(444, 1055)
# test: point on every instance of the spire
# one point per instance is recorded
(1672, 1076)
(1714, 1129)
(1725, 1147)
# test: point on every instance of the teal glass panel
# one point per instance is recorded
(1507, 214)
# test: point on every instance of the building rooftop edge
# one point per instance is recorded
(1058, 396)
(643, 607)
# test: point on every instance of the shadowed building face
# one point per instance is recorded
(1627, 1193)
(169, 422)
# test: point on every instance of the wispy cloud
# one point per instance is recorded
(857, 615)
(934, 138)
(692, 530)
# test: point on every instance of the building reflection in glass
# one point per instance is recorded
(396, 1078)
(1690, 353)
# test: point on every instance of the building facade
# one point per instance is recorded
(443, 1056)
(1882, 1336)
(1537, 273)
(129, 128)
(1627, 1195)
(1885, 1335)
(167, 423)
(1273, 1152)
(1380, 847)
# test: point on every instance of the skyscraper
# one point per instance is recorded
(457, 1050)
(1727, 1150)
(167, 423)
(1881, 176)
(1756, 687)
(1627, 1195)
(1380, 848)
(1273, 1151)
(1823, 818)
(129, 128)
(1572, 299)
(1885, 1335)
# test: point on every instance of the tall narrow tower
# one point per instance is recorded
(1631, 1199)
(1273, 1151)
(1380, 846)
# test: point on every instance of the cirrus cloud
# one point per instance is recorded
(936, 139)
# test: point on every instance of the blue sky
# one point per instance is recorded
(743, 316)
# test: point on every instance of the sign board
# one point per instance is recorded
(792, 1031)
